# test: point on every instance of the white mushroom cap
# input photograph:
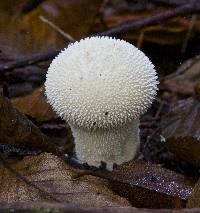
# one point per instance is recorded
(101, 82)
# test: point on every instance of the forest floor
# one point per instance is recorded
(37, 167)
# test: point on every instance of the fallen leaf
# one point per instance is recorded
(184, 79)
(17, 130)
(181, 130)
(47, 178)
(35, 105)
(194, 200)
(148, 185)
(65, 207)
(27, 34)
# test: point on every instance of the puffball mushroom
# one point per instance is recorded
(101, 86)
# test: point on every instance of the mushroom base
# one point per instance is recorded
(111, 146)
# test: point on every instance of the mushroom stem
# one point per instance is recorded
(113, 145)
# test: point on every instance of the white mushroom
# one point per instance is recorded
(101, 86)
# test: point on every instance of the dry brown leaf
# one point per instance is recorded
(49, 179)
(35, 105)
(184, 79)
(194, 200)
(181, 131)
(25, 35)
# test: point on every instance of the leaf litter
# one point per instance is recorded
(45, 177)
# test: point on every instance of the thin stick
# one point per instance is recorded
(188, 34)
(140, 39)
(35, 58)
(155, 19)
(55, 27)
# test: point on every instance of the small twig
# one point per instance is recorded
(35, 58)
(155, 19)
(159, 110)
(188, 34)
(149, 138)
(191, 25)
(140, 39)
(5, 90)
(55, 27)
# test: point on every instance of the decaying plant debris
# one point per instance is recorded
(37, 166)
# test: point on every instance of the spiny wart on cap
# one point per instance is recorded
(101, 85)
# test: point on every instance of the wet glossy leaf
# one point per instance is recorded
(151, 186)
